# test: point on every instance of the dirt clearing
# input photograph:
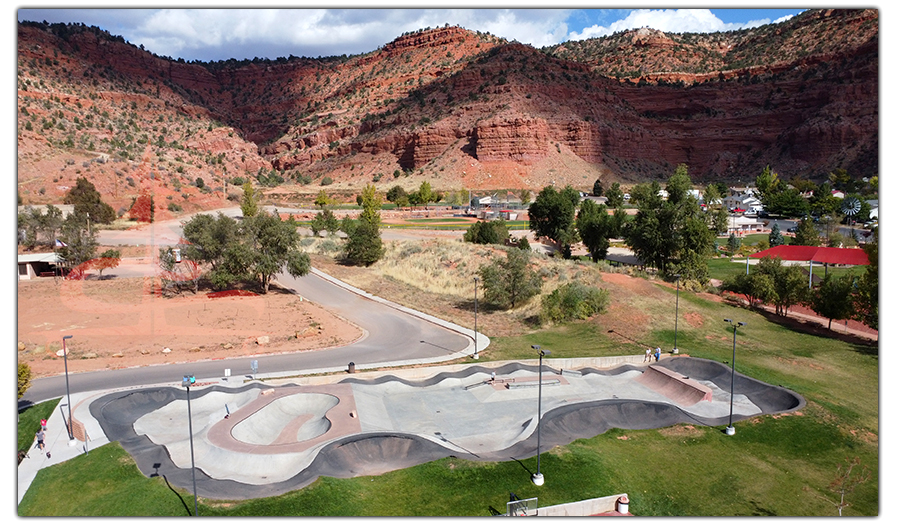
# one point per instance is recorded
(119, 323)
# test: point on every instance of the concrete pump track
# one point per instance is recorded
(258, 440)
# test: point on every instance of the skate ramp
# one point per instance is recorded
(679, 388)
(769, 398)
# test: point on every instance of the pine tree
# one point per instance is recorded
(775, 237)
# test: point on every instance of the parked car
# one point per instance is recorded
(792, 230)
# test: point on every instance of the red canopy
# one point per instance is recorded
(831, 255)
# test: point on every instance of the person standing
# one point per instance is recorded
(656, 354)
(648, 355)
(43, 424)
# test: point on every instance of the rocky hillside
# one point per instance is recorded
(461, 109)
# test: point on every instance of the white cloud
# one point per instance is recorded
(668, 20)
(210, 34)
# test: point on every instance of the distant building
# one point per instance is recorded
(33, 266)
(745, 201)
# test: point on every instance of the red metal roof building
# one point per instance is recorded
(829, 255)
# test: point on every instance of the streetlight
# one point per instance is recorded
(68, 396)
(730, 429)
(186, 382)
(677, 288)
(476, 318)
(538, 478)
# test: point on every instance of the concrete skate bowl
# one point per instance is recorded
(294, 418)
(769, 398)
(568, 423)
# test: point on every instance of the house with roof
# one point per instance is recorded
(42, 265)
(873, 209)
(748, 202)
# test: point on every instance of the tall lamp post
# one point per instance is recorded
(677, 289)
(476, 318)
(538, 478)
(68, 396)
(186, 382)
(730, 429)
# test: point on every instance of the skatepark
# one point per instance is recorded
(255, 438)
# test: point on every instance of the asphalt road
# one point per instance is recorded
(391, 335)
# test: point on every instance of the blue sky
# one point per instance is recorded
(216, 31)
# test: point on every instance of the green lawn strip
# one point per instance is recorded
(30, 422)
(104, 482)
(724, 268)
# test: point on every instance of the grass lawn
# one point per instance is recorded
(30, 422)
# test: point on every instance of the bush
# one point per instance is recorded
(487, 233)
(175, 207)
(24, 379)
(574, 301)
(523, 244)
(326, 181)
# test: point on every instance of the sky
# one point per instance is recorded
(214, 31)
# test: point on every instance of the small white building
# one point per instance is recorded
(42, 265)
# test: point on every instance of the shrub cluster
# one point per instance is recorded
(574, 301)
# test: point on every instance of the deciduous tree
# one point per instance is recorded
(364, 245)
(866, 297)
(250, 200)
(273, 244)
(508, 282)
(807, 234)
(593, 223)
(552, 215)
(790, 283)
(832, 298)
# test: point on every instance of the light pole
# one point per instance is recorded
(68, 396)
(677, 289)
(476, 318)
(730, 429)
(538, 478)
(186, 382)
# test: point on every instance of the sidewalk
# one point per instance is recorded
(57, 441)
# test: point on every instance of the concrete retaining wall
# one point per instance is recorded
(582, 508)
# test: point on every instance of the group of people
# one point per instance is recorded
(650, 354)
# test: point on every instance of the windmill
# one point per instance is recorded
(850, 206)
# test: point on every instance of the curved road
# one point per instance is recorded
(392, 336)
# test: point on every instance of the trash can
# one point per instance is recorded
(351, 368)
(622, 504)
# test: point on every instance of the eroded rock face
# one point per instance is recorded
(456, 98)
